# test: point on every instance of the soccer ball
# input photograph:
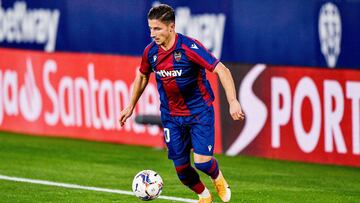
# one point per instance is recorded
(147, 185)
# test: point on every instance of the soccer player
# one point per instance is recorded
(187, 114)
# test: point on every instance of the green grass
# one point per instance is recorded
(113, 166)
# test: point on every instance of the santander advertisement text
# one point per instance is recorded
(73, 95)
(77, 96)
(297, 113)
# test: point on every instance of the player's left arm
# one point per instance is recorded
(227, 82)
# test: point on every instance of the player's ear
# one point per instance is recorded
(172, 27)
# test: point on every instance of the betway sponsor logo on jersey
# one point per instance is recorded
(208, 28)
(22, 25)
(301, 114)
(169, 73)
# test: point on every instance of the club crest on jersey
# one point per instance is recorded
(177, 55)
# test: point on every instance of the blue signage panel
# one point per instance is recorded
(303, 33)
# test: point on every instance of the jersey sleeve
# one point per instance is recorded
(145, 67)
(198, 54)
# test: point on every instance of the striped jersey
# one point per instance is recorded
(180, 75)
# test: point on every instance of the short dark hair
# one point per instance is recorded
(162, 12)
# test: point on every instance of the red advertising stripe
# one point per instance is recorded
(323, 124)
(300, 113)
(75, 95)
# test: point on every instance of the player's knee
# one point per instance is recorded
(198, 158)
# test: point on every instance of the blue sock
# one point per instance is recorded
(211, 168)
(188, 175)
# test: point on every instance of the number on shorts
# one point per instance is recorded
(167, 134)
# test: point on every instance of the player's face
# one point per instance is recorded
(160, 32)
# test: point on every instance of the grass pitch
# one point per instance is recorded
(113, 166)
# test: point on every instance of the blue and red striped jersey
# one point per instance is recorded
(180, 75)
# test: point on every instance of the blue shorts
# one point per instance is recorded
(182, 133)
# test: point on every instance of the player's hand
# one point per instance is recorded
(236, 111)
(125, 114)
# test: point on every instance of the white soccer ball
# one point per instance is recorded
(147, 185)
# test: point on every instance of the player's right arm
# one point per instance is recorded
(141, 81)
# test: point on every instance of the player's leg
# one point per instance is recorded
(189, 177)
(178, 141)
(203, 138)
(209, 165)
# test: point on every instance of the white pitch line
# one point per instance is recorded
(74, 186)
